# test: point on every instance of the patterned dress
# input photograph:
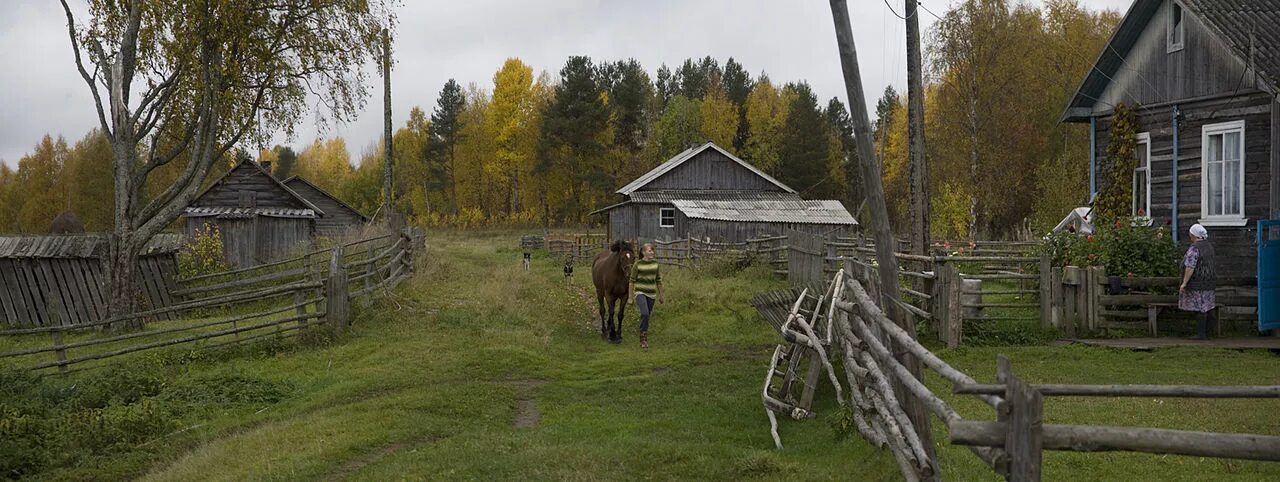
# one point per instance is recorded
(1189, 300)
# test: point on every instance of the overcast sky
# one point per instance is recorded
(41, 92)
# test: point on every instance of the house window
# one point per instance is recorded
(1177, 28)
(1142, 177)
(667, 217)
(1222, 174)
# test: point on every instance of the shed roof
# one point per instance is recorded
(77, 246)
(689, 154)
(765, 211)
(232, 212)
(1250, 28)
(251, 164)
(297, 179)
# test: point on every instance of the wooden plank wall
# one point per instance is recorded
(44, 291)
(806, 257)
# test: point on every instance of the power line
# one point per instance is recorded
(895, 13)
(921, 4)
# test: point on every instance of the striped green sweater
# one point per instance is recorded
(645, 277)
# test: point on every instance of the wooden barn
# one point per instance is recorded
(261, 219)
(1201, 77)
(707, 193)
(339, 217)
(58, 280)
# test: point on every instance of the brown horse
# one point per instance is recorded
(611, 272)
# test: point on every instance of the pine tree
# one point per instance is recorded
(805, 150)
(737, 86)
(842, 126)
(571, 140)
(286, 160)
(442, 142)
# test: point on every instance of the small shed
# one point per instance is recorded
(261, 219)
(58, 280)
(339, 217)
(708, 193)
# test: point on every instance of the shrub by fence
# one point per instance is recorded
(279, 299)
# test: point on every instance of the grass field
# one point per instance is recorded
(478, 370)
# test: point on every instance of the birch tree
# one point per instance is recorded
(190, 80)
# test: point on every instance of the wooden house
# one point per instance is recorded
(1202, 78)
(707, 193)
(339, 217)
(58, 280)
(260, 219)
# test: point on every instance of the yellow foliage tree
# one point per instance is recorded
(719, 118)
(326, 164)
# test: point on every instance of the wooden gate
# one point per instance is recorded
(806, 256)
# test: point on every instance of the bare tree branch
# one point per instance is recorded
(93, 87)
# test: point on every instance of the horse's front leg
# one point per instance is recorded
(622, 310)
(613, 332)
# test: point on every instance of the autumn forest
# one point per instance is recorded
(532, 149)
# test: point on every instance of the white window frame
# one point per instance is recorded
(1144, 143)
(662, 215)
(1221, 219)
(1178, 29)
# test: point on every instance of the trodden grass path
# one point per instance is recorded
(478, 370)
(482, 371)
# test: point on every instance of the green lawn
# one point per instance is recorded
(478, 370)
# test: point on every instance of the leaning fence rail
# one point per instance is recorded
(866, 341)
(281, 300)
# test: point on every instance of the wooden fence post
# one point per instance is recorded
(955, 315)
(61, 353)
(337, 295)
(1024, 425)
(1096, 275)
(1046, 293)
(299, 297)
(1071, 277)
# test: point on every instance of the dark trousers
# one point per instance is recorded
(645, 304)
(1204, 323)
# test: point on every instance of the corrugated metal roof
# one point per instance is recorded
(77, 246)
(764, 211)
(651, 197)
(228, 212)
(686, 155)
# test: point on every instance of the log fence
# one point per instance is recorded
(281, 299)
(1012, 444)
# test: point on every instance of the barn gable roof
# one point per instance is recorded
(791, 211)
(1250, 28)
(295, 180)
(255, 170)
(680, 158)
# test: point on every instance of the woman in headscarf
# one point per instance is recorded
(1198, 281)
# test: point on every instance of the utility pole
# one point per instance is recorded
(888, 270)
(387, 207)
(915, 136)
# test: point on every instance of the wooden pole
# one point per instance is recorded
(386, 130)
(1046, 292)
(337, 295)
(915, 135)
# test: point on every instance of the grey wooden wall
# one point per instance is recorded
(253, 240)
(247, 178)
(1237, 246)
(337, 220)
(1151, 74)
(710, 169)
(67, 291)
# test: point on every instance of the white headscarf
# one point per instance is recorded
(1199, 231)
